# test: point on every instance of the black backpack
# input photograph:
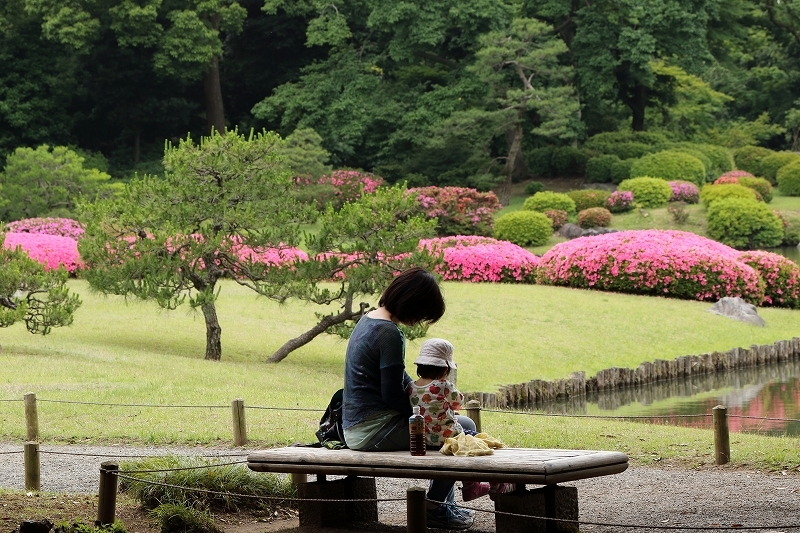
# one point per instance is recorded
(330, 433)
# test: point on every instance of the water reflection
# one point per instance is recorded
(764, 392)
(789, 252)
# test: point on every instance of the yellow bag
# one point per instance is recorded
(464, 445)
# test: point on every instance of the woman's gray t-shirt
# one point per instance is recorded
(375, 379)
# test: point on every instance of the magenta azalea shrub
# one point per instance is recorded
(350, 184)
(50, 250)
(475, 259)
(63, 227)
(684, 191)
(460, 210)
(659, 262)
(620, 201)
(734, 174)
(781, 275)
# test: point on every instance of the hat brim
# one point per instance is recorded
(434, 361)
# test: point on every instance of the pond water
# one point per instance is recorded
(790, 252)
(766, 393)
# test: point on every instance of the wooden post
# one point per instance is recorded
(33, 478)
(107, 495)
(297, 479)
(239, 424)
(474, 412)
(415, 507)
(722, 440)
(31, 417)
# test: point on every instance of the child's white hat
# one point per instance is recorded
(436, 352)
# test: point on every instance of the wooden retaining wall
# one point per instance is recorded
(538, 391)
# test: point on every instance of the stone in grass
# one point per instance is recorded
(737, 309)
(570, 231)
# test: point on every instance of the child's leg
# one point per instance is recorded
(473, 490)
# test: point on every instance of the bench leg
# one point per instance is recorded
(316, 514)
(551, 501)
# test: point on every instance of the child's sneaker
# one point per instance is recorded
(445, 517)
(473, 490)
(500, 488)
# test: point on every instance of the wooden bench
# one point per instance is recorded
(523, 466)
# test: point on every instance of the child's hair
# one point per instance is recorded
(433, 372)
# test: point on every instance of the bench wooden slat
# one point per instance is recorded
(519, 465)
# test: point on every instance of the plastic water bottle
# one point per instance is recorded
(416, 428)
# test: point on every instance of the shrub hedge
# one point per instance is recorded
(599, 169)
(476, 259)
(720, 158)
(648, 192)
(568, 161)
(684, 191)
(711, 193)
(670, 165)
(524, 228)
(534, 187)
(788, 178)
(748, 158)
(557, 217)
(594, 217)
(658, 262)
(744, 223)
(620, 201)
(760, 185)
(782, 277)
(458, 210)
(771, 164)
(621, 170)
(542, 201)
(586, 198)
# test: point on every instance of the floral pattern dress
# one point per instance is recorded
(438, 401)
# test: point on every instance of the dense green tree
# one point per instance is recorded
(172, 239)
(29, 293)
(359, 248)
(46, 182)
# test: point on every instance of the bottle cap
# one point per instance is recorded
(416, 409)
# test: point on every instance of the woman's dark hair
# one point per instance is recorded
(433, 372)
(414, 297)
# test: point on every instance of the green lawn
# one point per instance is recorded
(134, 353)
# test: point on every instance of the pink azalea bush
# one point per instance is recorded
(349, 185)
(667, 263)
(620, 201)
(50, 250)
(476, 259)
(782, 277)
(722, 180)
(684, 191)
(734, 174)
(460, 210)
(557, 216)
(63, 227)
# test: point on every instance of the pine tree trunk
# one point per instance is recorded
(326, 322)
(213, 332)
(508, 169)
(638, 104)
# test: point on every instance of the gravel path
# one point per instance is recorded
(663, 496)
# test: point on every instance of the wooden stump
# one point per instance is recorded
(551, 501)
(316, 514)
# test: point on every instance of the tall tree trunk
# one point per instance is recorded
(326, 322)
(212, 91)
(514, 151)
(137, 152)
(213, 332)
(637, 105)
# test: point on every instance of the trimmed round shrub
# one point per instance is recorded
(52, 251)
(586, 198)
(568, 161)
(649, 192)
(631, 150)
(677, 264)
(524, 228)
(557, 217)
(62, 227)
(534, 187)
(621, 170)
(748, 158)
(707, 165)
(477, 259)
(598, 169)
(743, 223)
(542, 201)
(712, 193)
(781, 276)
(594, 217)
(670, 165)
(719, 157)
(538, 161)
(458, 210)
(722, 180)
(788, 178)
(684, 191)
(620, 202)
(760, 185)
(771, 164)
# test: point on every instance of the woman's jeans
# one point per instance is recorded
(394, 437)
